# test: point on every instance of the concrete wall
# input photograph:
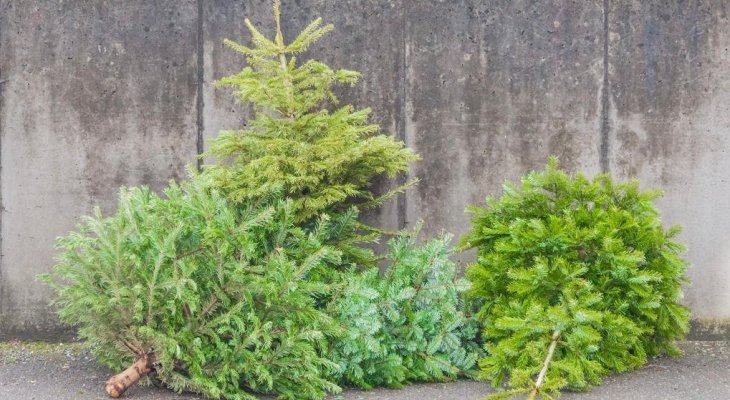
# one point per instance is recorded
(98, 94)
(94, 96)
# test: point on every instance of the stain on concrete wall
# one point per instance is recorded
(670, 94)
(96, 96)
(106, 94)
(493, 89)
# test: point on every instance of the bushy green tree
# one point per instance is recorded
(213, 298)
(294, 145)
(408, 323)
(575, 279)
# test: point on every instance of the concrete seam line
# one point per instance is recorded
(605, 99)
(401, 202)
(200, 63)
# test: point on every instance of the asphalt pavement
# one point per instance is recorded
(64, 372)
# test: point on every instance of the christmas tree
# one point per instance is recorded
(294, 145)
(408, 323)
(575, 279)
(211, 298)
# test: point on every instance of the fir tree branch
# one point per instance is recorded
(186, 311)
(190, 253)
(137, 352)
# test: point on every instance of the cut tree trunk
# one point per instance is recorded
(541, 376)
(119, 383)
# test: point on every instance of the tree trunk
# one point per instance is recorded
(541, 376)
(117, 384)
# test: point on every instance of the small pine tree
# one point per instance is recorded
(407, 324)
(294, 146)
(213, 299)
(574, 279)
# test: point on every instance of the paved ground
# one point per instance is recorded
(62, 372)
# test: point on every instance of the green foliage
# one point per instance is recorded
(220, 297)
(409, 323)
(294, 146)
(232, 290)
(587, 259)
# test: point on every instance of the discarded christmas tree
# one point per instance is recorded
(575, 279)
(213, 299)
(294, 146)
(408, 323)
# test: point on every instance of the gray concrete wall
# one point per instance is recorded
(94, 96)
(98, 94)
